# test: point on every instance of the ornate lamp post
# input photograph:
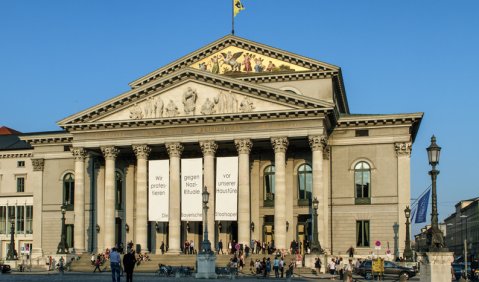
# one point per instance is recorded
(407, 249)
(63, 246)
(315, 245)
(11, 250)
(435, 238)
(206, 245)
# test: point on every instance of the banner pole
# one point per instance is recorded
(233, 18)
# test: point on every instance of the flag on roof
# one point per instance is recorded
(237, 7)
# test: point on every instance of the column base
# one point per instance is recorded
(206, 266)
(436, 266)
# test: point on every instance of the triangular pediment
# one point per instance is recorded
(232, 55)
(191, 93)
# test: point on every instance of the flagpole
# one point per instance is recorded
(233, 18)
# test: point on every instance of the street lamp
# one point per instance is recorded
(11, 255)
(206, 245)
(435, 238)
(407, 249)
(315, 245)
(63, 246)
(465, 246)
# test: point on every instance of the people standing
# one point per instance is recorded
(350, 252)
(115, 265)
(348, 271)
(162, 247)
(129, 261)
(332, 268)
(317, 265)
(220, 247)
(276, 267)
(97, 264)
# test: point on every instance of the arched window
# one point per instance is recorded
(305, 184)
(119, 191)
(269, 185)
(362, 183)
(69, 190)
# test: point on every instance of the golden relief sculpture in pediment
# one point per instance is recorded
(236, 60)
(193, 99)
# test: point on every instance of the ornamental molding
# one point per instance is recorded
(378, 120)
(110, 152)
(142, 151)
(280, 144)
(403, 149)
(174, 149)
(60, 138)
(38, 164)
(244, 146)
(326, 150)
(79, 153)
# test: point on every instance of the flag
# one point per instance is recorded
(237, 7)
(413, 213)
(422, 207)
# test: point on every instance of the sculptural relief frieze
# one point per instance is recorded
(236, 60)
(193, 99)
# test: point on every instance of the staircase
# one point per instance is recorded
(84, 263)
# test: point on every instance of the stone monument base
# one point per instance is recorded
(206, 266)
(310, 259)
(436, 266)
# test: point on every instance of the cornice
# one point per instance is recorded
(13, 155)
(231, 40)
(290, 76)
(197, 120)
(48, 139)
(373, 120)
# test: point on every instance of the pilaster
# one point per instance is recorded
(403, 152)
(37, 180)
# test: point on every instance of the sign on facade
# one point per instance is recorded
(158, 190)
(226, 188)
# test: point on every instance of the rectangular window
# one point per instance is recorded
(20, 219)
(29, 220)
(69, 235)
(3, 220)
(10, 216)
(20, 184)
(362, 132)
(21, 164)
(362, 233)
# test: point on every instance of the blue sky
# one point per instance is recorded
(397, 56)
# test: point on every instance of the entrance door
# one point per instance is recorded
(268, 232)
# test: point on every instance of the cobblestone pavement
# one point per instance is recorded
(141, 277)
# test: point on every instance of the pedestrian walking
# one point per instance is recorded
(115, 265)
(97, 264)
(129, 261)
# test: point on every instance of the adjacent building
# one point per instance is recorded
(463, 228)
(283, 119)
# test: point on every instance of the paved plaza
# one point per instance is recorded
(142, 277)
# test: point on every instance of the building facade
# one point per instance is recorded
(284, 116)
(463, 228)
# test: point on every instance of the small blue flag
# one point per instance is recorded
(422, 207)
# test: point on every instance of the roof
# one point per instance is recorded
(12, 142)
(7, 131)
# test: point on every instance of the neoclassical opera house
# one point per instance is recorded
(265, 131)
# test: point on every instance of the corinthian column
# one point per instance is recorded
(403, 151)
(79, 203)
(141, 206)
(37, 181)
(110, 153)
(280, 144)
(209, 150)
(317, 144)
(244, 216)
(174, 227)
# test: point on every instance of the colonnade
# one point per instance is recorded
(106, 197)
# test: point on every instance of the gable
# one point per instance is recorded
(192, 98)
(234, 60)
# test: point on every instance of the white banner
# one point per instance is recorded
(191, 189)
(226, 188)
(158, 190)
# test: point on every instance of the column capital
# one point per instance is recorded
(244, 146)
(141, 151)
(78, 153)
(317, 142)
(110, 152)
(280, 144)
(403, 149)
(174, 149)
(326, 150)
(208, 147)
(38, 164)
